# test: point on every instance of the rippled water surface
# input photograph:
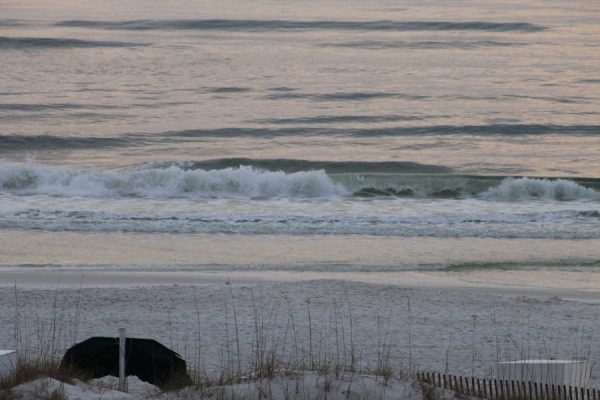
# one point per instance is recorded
(374, 121)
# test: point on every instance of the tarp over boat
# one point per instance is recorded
(147, 359)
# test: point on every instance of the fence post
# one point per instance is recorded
(485, 392)
(530, 391)
(122, 344)
(496, 387)
(559, 397)
(467, 386)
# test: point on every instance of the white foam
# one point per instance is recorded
(511, 189)
(171, 182)
(247, 182)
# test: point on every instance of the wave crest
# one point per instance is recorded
(284, 179)
(241, 182)
(515, 189)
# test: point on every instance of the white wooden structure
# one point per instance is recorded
(8, 361)
(557, 372)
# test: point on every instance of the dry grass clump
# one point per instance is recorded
(27, 370)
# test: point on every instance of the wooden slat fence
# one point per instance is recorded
(497, 389)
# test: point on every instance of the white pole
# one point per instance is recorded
(122, 381)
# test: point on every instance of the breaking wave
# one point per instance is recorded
(268, 179)
(242, 182)
(512, 189)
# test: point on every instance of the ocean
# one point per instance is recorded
(305, 136)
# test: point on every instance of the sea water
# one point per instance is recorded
(329, 136)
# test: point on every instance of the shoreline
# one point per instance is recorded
(584, 284)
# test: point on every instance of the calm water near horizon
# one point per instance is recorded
(316, 136)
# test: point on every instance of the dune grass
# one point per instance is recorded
(278, 342)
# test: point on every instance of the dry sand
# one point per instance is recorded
(458, 321)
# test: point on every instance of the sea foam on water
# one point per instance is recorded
(247, 182)
(511, 189)
(170, 182)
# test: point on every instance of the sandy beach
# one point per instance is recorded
(452, 316)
